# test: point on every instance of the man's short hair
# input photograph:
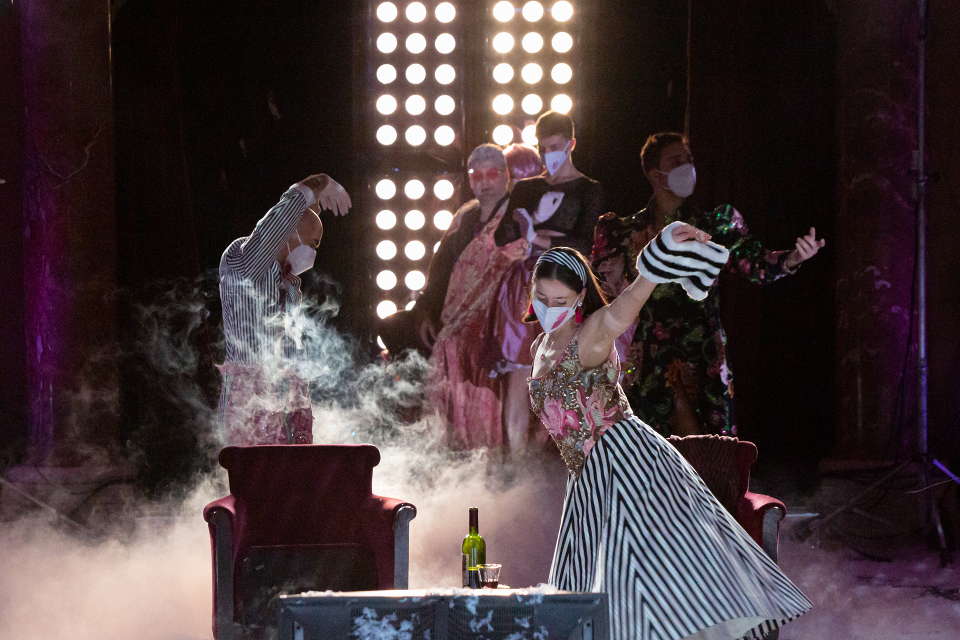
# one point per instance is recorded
(553, 123)
(487, 153)
(654, 146)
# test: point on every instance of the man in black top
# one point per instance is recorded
(560, 207)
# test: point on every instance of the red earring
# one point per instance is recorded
(530, 310)
(579, 315)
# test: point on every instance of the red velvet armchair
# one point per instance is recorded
(300, 517)
(724, 464)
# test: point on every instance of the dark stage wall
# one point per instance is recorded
(219, 106)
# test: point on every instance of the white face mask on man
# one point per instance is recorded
(681, 180)
(555, 159)
(301, 258)
(552, 318)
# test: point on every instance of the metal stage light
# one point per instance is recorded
(438, 79)
(412, 139)
(530, 62)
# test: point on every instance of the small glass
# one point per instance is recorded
(489, 575)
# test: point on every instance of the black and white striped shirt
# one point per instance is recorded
(253, 291)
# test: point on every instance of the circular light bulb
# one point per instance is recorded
(386, 280)
(386, 220)
(562, 11)
(445, 12)
(445, 74)
(386, 43)
(502, 42)
(532, 11)
(386, 308)
(532, 42)
(386, 189)
(386, 12)
(386, 104)
(503, 134)
(415, 105)
(562, 103)
(442, 219)
(445, 105)
(386, 250)
(386, 73)
(503, 73)
(443, 189)
(503, 11)
(561, 42)
(532, 104)
(502, 104)
(532, 73)
(414, 250)
(386, 134)
(414, 220)
(444, 135)
(445, 43)
(415, 280)
(416, 73)
(416, 12)
(561, 73)
(415, 135)
(416, 43)
(414, 189)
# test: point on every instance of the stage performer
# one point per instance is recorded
(677, 376)
(464, 390)
(638, 522)
(561, 206)
(514, 337)
(262, 400)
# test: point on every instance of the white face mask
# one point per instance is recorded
(681, 180)
(552, 318)
(301, 258)
(555, 159)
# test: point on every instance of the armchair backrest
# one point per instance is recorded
(723, 463)
(299, 494)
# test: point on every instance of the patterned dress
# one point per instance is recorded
(639, 524)
(678, 350)
(462, 389)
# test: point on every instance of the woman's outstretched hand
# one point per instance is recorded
(686, 232)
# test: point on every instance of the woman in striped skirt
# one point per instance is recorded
(638, 522)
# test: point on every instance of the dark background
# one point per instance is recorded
(219, 106)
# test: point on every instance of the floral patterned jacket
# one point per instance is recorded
(678, 349)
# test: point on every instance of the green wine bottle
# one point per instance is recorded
(474, 552)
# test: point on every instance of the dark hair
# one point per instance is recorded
(554, 123)
(593, 300)
(654, 146)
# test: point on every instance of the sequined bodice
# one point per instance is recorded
(576, 405)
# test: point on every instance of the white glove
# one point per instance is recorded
(695, 265)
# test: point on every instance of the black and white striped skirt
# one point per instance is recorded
(640, 524)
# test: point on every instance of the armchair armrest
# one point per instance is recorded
(760, 515)
(221, 516)
(385, 523)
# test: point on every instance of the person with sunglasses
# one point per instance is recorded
(468, 269)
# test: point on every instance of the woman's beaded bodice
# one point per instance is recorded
(576, 405)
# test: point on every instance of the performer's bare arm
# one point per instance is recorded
(603, 326)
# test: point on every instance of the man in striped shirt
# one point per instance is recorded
(262, 401)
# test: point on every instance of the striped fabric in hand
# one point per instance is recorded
(695, 265)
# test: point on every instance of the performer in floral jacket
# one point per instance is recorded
(676, 373)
